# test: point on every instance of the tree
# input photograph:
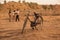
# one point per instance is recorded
(4, 1)
(23, 1)
(19, 1)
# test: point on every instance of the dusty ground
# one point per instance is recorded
(50, 30)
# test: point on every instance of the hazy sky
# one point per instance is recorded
(39, 1)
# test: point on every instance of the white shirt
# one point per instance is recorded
(17, 12)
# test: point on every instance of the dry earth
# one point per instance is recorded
(50, 30)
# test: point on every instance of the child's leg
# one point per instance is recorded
(18, 18)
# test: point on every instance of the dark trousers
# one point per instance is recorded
(17, 17)
(33, 25)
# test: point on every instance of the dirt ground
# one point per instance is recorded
(50, 30)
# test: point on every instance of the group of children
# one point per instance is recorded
(14, 15)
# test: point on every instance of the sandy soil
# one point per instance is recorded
(50, 30)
